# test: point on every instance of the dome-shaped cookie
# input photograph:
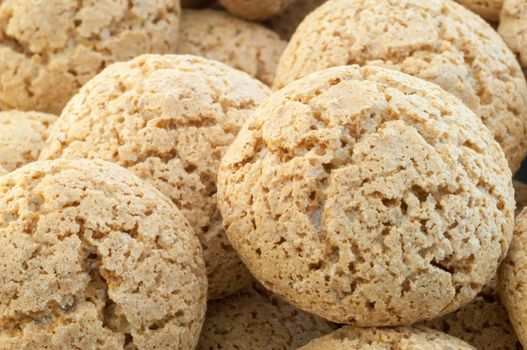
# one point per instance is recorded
(249, 47)
(50, 48)
(255, 319)
(513, 28)
(256, 9)
(402, 338)
(488, 9)
(169, 119)
(435, 40)
(367, 196)
(22, 136)
(513, 279)
(92, 257)
(286, 23)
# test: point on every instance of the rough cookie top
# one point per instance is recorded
(513, 279)
(50, 48)
(513, 28)
(256, 9)
(22, 136)
(435, 40)
(249, 47)
(402, 338)
(93, 257)
(488, 9)
(367, 196)
(169, 119)
(286, 23)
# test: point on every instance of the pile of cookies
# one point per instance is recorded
(263, 174)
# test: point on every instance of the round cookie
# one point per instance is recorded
(513, 28)
(256, 9)
(436, 40)
(197, 3)
(169, 119)
(50, 48)
(286, 23)
(22, 136)
(367, 196)
(488, 9)
(92, 257)
(255, 319)
(246, 46)
(402, 338)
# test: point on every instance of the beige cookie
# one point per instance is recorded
(513, 28)
(93, 257)
(286, 23)
(488, 9)
(368, 197)
(169, 119)
(402, 338)
(50, 48)
(246, 46)
(255, 319)
(256, 9)
(22, 136)
(197, 3)
(436, 40)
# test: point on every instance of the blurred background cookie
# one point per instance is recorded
(256, 9)
(488, 9)
(513, 28)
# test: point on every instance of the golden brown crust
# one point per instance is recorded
(253, 10)
(488, 9)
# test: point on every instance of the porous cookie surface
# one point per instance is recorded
(50, 48)
(22, 136)
(488, 9)
(513, 279)
(246, 46)
(169, 119)
(92, 257)
(513, 28)
(256, 9)
(286, 23)
(403, 338)
(255, 319)
(368, 197)
(437, 40)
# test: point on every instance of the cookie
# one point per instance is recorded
(197, 3)
(513, 28)
(169, 119)
(402, 338)
(256, 9)
(246, 46)
(22, 136)
(286, 23)
(50, 48)
(488, 9)
(520, 194)
(437, 40)
(367, 196)
(255, 319)
(93, 257)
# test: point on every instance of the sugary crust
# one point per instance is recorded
(368, 197)
(246, 46)
(286, 23)
(488, 9)
(255, 319)
(256, 9)
(513, 28)
(92, 257)
(436, 40)
(50, 48)
(22, 136)
(402, 338)
(169, 119)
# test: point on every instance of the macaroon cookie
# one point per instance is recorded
(513, 28)
(367, 196)
(438, 40)
(488, 9)
(256, 10)
(286, 23)
(92, 257)
(169, 119)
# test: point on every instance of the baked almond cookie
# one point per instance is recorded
(246, 46)
(50, 48)
(402, 338)
(436, 40)
(22, 136)
(367, 196)
(513, 28)
(286, 23)
(92, 257)
(256, 9)
(255, 319)
(488, 9)
(169, 119)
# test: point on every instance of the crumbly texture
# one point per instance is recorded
(435, 40)
(169, 119)
(286, 23)
(22, 136)
(520, 195)
(92, 257)
(513, 279)
(197, 3)
(246, 46)
(488, 9)
(513, 28)
(255, 319)
(256, 9)
(367, 196)
(402, 338)
(50, 48)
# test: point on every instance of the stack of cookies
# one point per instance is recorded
(240, 174)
